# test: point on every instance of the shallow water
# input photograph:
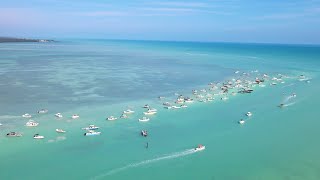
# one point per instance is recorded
(97, 79)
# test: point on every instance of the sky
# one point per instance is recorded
(257, 21)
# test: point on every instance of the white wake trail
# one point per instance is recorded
(169, 156)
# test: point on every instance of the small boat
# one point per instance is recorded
(161, 97)
(199, 148)
(144, 133)
(37, 136)
(27, 115)
(152, 110)
(188, 100)
(32, 123)
(166, 104)
(91, 127)
(146, 106)
(224, 98)
(128, 111)
(273, 84)
(183, 106)
(123, 116)
(249, 114)
(14, 134)
(60, 131)
(241, 121)
(58, 115)
(175, 107)
(149, 112)
(1, 124)
(75, 116)
(168, 107)
(111, 118)
(144, 119)
(43, 111)
(91, 133)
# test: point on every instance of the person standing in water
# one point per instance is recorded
(147, 145)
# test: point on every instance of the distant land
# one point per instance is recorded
(10, 39)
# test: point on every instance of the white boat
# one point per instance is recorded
(27, 115)
(32, 123)
(14, 134)
(241, 121)
(224, 98)
(91, 127)
(149, 112)
(60, 131)
(188, 100)
(175, 107)
(146, 106)
(1, 124)
(43, 111)
(37, 136)
(91, 133)
(183, 106)
(111, 118)
(273, 84)
(128, 111)
(75, 116)
(152, 110)
(249, 114)
(144, 133)
(168, 107)
(199, 148)
(144, 119)
(58, 115)
(123, 116)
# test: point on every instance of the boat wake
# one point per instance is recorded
(149, 161)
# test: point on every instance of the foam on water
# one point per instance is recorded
(165, 157)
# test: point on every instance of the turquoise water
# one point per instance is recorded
(99, 78)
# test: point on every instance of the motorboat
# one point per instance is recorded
(241, 121)
(188, 100)
(32, 123)
(128, 111)
(123, 116)
(43, 111)
(75, 116)
(175, 107)
(27, 115)
(150, 112)
(60, 131)
(91, 133)
(144, 119)
(166, 104)
(146, 106)
(111, 118)
(273, 84)
(224, 98)
(168, 107)
(144, 133)
(249, 114)
(199, 148)
(38, 136)
(58, 115)
(91, 127)
(14, 134)
(183, 106)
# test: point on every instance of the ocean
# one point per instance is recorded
(97, 79)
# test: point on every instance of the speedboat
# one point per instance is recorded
(58, 115)
(123, 116)
(37, 136)
(199, 148)
(27, 115)
(75, 116)
(149, 112)
(60, 131)
(91, 133)
(91, 127)
(146, 106)
(273, 83)
(144, 119)
(43, 111)
(144, 133)
(249, 114)
(32, 123)
(241, 121)
(128, 111)
(224, 98)
(14, 134)
(168, 107)
(112, 118)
